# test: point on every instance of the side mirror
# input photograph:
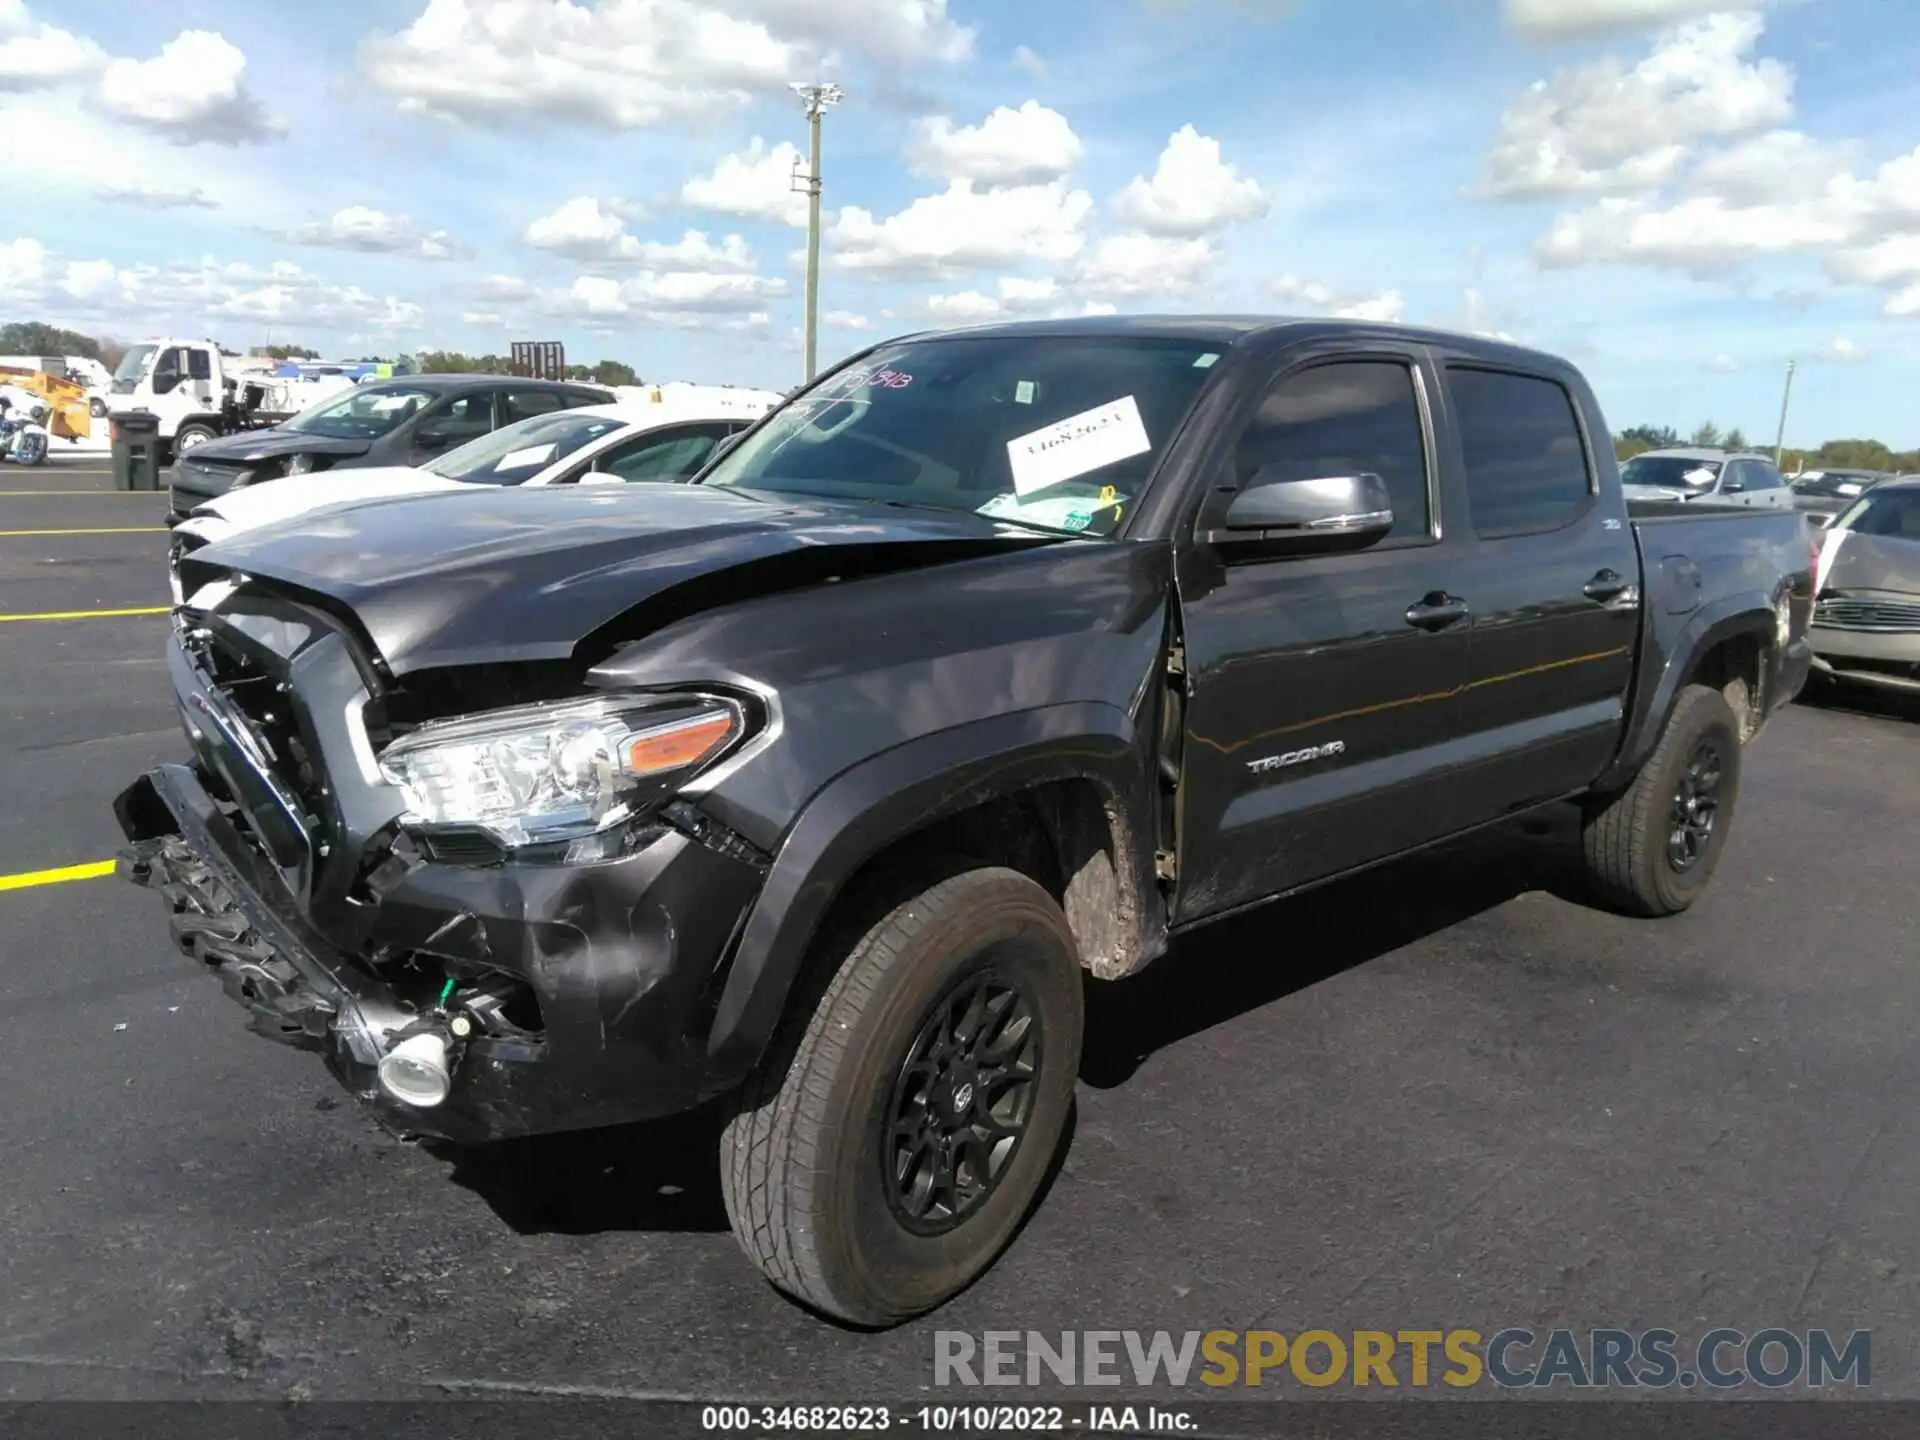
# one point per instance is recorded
(1732, 487)
(1274, 515)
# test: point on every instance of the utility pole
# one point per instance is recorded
(1780, 436)
(817, 100)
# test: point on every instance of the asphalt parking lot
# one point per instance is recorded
(1441, 1096)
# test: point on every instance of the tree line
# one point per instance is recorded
(35, 338)
(1831, 454)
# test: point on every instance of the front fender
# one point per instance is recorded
(883, 800)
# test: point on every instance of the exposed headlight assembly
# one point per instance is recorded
(299, 464)
(538, 774)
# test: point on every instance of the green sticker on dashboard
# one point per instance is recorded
(1076, 520)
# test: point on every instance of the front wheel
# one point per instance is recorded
(1651, 849)
(31, 448)
(190, 438)
(880, 1164)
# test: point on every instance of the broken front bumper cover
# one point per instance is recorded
(234, 913)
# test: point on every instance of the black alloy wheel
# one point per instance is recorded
(962, 1101)
(1696, 804)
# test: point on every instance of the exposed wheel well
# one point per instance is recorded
(1065, 836)
(1733, 667)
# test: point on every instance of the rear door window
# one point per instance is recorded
(524, 404)
(1525, 456)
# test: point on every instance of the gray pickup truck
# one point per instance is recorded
(992, 658)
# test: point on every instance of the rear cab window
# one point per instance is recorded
(1524, 450)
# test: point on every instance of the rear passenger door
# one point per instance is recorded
(1555, 588)
(1321, 689)
(1766, 486)
(451, 423)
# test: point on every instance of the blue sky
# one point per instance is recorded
(1679, 196)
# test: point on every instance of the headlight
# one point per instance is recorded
(299, 464)
(542, 773)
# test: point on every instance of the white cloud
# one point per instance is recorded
(963, 229)
(193, 91)
(1028, 62)
(1722, 364)
(1027, 146)
(1135, 264)
(626, 63)
(193, 297)
(1772, 167)
(1565, 19)
(589, 230)
(1193, 190)
(1843, 351)
(154, 197)
(1602, 128)
(1699, 235)
(35, 55)
(679, 298)
(845, 320)
(1384, 308)
(373, 232)
(23, 265)
(754, 184)
(1013, 295)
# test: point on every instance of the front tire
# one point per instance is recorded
(880, 1164)
(189, 438)
(1651, 849)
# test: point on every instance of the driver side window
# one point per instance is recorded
(1345, 418)
(673, 454)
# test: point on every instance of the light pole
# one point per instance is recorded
(817, 100)
(1780, 436)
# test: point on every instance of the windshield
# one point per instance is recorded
(364, 413)
(1894, 514)
(1670, 472)
(132, 366)
(518, 452)
(1054, 432)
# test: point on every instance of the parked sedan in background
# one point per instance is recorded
(393, 422)
(1705, 474)
(1823, 494)
(1866, 615)
(668, 437)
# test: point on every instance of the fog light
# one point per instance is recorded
(415, 1072)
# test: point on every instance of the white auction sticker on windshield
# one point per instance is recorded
(532, 455)
(1077, 445)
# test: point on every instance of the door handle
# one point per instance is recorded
(1607, 585)
(1436, 611)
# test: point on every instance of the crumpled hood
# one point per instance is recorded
(282, 499)
(1851, 561)
(489, 574)
(252, 446)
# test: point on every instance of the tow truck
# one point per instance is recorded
(198, 394)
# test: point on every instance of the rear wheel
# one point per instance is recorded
(1651, 849)
(884, 1159)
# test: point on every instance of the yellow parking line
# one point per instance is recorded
(82, 492)
(92, 870)
(97, 530)
(90, 614)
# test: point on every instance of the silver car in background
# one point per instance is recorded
(1866, 613)
(1702, 474)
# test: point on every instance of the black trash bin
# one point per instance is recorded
(136, 452)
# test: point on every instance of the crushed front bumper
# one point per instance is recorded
(623, 958)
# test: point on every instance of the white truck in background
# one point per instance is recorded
(198, 394)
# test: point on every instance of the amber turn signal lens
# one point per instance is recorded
(676, 746)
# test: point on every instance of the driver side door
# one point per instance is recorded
(1321, 717)
(449, 423)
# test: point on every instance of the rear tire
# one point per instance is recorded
(1651, 848)
(957, 1015)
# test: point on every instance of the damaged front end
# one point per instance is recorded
(487, 927)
